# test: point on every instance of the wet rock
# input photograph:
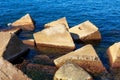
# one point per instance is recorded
(114, 55)
(43, 59)
(54, 40)
(9, 72)
(86, 57)
(40, 72)
(29, 42)
(70, 71)
(22, 66)
(25, 23)
(12, 30)
(59, 21)
(11, 47)
(85, 32)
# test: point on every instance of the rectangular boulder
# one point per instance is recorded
(54, 40)
(11, 47)
(86, 57)
(85, 32)
(59, 21)
(25, 23)
(114, 55)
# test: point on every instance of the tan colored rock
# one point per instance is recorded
(11, 47)
(59, 21)
(12, 30)
(70, 71)
(29, 42)
(25, 23)
(9, 72)
(85, 32)
(114, 55)
(86, 57)
(54, 40)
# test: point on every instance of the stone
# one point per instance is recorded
(9, 72)
(12, 30)
(54, 40)
(25, 23)
(40, 72)
(85, 32)
(29, 42)
(43, 59)
(11, 47)
(70, 71)
(114, 55)
(86, 57)
(59, 21)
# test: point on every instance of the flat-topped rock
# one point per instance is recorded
(54, 40)
(85, 32)
(114, 55)
(59, 21)
(9, 72)
(25, 23)
(11, 47)
(70, 71)
(86, 57)
(29, 42)
(12, 30)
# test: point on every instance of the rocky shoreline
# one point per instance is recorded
(57, 57)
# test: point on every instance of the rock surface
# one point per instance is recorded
(11, 47)
(40, 72)
(25, 23)
(70, 71)
(9, 72)
(86, 57)
(85, 32)
(59, 21)
(114, 55)
(12, 30)
(54, 40)
(43, 59)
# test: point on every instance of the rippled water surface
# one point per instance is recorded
(105, 14)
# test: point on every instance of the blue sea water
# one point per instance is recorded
(105, 14)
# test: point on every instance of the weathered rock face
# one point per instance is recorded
(86, 57)
(25, 23)
(9, 72)
(54, 40)
(85, 32)
(29, 42)
(70, 71)
(11, 47)
(114, 55)
(59, 21)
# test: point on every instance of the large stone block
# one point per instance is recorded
(11, 47)
(54, 40)
(114, 55)
(85, 32)
(70, 71)
(59, 21)
(25, 23)
(86, 57)
(9, 72)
